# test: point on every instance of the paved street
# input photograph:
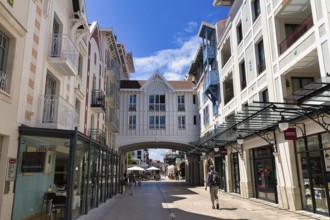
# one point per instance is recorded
(171, 199)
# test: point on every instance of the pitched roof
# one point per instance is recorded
(137, 84)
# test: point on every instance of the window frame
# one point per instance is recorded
(4, 74)
(181, 122)
(132, 122)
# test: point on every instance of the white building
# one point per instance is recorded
(272, 63)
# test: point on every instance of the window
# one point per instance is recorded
(80, 65)
(195, 119)
(242, 74)
(206, 116)
(228, 89)
(261, 57)
(157, 122)
(181, 106)
(4, 77)
(77, 109)
(94, 58)
(0, 147)
(157, 103)
(182, 122)
(132, 122)
(300, 82)
(194, 99)
(139, 153)
(132, 103)
(239, 33)
(256, 9)
(264, 96)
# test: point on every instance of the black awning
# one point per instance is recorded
(313, 101)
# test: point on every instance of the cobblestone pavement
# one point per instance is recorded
(175, 200)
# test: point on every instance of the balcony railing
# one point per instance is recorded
(98, 101)
(208, 53)
(211, 78)
(3, 81)
(296, 34)
(64, 54)
(97, 135)
(112, 94)
(112, 121)
(114, 69)
(56, 112)
(261, 66)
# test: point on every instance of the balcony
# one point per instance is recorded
(64, 55)
(296, 34)
(3, 82)
(112, 121)
(56, 112)
(113, 70)
(223, 2)
(112, 95)
(98, 135)
(98, 101)
(211, 85)
(208, 53)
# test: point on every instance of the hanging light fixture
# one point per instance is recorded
(203, 153)
(240, 140)
(216, 149)
(283, 124)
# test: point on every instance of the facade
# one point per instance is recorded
(272, 63)
(157, 113)
(59, 97)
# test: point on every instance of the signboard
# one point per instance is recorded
(290, 134)
(223, 151)
(11, 170)
(33, 162)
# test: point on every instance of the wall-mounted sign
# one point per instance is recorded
(290, 134)
(11, 170)
(223, 151)
(33, 162)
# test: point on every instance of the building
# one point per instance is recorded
(59, 98)
(273, 75)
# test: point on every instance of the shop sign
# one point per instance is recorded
(223, 151)
(33, 162)
(290, 134)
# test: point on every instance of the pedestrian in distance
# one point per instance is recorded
(213, 181)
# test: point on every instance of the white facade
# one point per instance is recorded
(149, 124)
(261, 61)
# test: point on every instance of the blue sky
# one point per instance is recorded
(162, 35)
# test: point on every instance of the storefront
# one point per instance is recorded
(313, 160)
(61, 172)
(235, 173)
(220, 166)
(264, 173)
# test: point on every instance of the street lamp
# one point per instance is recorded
(240, 140)
(216, 149)
(283, 124)
(203, 153)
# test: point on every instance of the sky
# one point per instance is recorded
(161, 35)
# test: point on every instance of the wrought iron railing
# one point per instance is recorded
(113, 65)
(63, 47)
(296, 34)
(97, 135)
(57, 112)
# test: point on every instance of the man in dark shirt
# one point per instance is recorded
(213, 187)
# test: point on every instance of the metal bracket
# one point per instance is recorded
(269, 136)
(238, 148)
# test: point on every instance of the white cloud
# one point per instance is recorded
(156, 154)
(173, 63)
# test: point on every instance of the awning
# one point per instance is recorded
(262, 118)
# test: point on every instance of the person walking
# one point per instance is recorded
(213, 182)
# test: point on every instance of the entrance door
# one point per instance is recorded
(264, 170)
